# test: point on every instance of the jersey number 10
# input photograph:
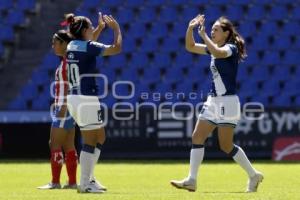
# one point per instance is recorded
(73, 74)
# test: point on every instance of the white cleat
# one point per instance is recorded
(50, 186)
(90, 188)
(254, 181)
(186, 184)
(98, 185)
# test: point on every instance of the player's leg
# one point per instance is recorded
(225, 134)
(71, 159)
(100, 141)
(57, 138)
(202, 130)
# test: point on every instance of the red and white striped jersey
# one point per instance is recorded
(61, 83)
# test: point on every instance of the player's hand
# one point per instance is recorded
(194, 22)
(101, 22)
(111, 22)
(201, 28)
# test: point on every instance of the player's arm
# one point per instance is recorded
(99, 28)
(190, 43)
(217, 52)
(116, 47)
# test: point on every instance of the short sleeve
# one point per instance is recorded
(231, 49)
(95, 48)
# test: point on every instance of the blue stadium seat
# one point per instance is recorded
(155, 2)
(125, 16)
(199, 3)
(260, 73)
(109, 100)
(177, 2)
(88, 4)
(247, 29)
(268, 28)
(278, 12)
(290, 28)
(15, 17)
(271, 58)
(235, 13)
(40, 77)
(26, 4)
(211, 14)
(6, 33)
(256, 13)
(260, 43)
(6, 4)
(281, 73)
(158, 31)
(179, 28)
(243, 73)
(260, 99)
(170, 44)
(252, 58)
(271, 87)
(139, 60)
(149, 45)
(41, 103)
(29, 91)
(296, 13)
(291, 58)
(168, 14)
(151, 75)
(18, 104)
(248, 88)
(134, 3)
(281, 43)
(185, 87)
(162, 60)
(129, 45)
(174, 75)
(163, 87)
(109, 73)
(146, 15)
(190, 12)
(282, 101)
(137, 30)
(117, 61)
(114, 3)
(291, 87)
(184, 59)
(130, 74)
(241, 2)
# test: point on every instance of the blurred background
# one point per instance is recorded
(155, 60)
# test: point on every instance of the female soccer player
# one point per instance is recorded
(82, 99)
(222, 108)
(62, 132)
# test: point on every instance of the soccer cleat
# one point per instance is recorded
(254, 181)
(98, 184)
(90, 188)
(50, 186)
(70, 186)
(186, 184)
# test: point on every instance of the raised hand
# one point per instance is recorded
(201, 28)
(101, 23)
(194, 22)
(111, 22)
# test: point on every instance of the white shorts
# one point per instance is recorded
(86, 111)
(221, 110)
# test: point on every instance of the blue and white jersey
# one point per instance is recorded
(81, 60)
(224, 72)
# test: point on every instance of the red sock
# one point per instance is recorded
(56, 164)
(71, 165)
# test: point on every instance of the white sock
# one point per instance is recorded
(241, 158)
(95, 157)
(196, 158)
(86, 165)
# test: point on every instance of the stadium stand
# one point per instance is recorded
(154, 56)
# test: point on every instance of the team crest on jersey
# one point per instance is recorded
(71, 56)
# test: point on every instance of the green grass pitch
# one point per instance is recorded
(148, 180)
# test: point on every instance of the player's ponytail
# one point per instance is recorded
(234, 37)
(76, 25)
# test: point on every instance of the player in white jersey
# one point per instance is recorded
(222, 108)
(83, 102)
(62, 132)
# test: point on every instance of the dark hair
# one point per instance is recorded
(62, 36)
(76, 24)
(233, 37)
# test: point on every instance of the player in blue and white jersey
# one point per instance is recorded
(83, 103)
(222, 107)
